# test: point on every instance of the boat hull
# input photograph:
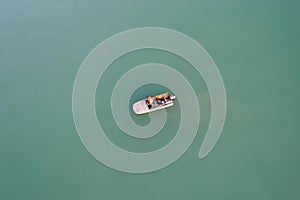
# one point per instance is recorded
(141, 107)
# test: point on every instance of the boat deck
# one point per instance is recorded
(158, 103)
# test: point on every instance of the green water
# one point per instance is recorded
(255, 44)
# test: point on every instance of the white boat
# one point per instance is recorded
(151, 104)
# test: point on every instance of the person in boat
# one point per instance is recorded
(149, 101)
(162, 97)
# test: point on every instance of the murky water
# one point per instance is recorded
(255, 44)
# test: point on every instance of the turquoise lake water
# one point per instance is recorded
(255, 45)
